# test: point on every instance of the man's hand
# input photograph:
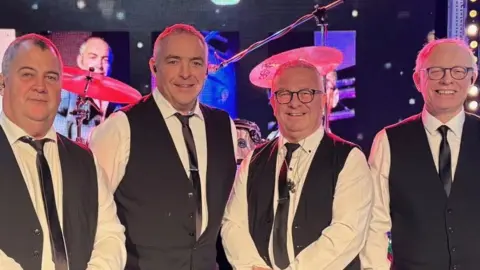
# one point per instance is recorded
(260, 268)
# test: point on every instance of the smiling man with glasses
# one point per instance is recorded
(433, 221)
(301, 201)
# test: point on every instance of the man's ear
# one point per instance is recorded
(2, 84)
(80, 62)
(416, 79)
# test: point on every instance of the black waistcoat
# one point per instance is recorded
(154, 198)
(429, 230)
(314, 211)
(21, 236)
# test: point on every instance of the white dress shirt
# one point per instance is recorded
(340, 242)
(110, 142)
(374, 255)
(109, 247)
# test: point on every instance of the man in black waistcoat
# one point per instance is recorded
(301, 201)
(433, 223)
(171, 161)
(56, 209)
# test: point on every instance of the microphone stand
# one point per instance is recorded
(80, 113)
(319, 14)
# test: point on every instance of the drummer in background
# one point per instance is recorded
(94, 53)
(303, 200)
(170, 188)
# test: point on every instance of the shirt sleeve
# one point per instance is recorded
(374, 254)
(8, 263)
(110, 142)
(238, 244)
(109, 252)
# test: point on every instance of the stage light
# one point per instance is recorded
(359, 136)
(473, 13)
(473, 1)
(411, 101)
(354, 13)
(139, 45)
(120, 15)
(473, 105)
(473, 91)
(473, 44)
(472, 29)
(217, 10)
(35, 6)
(225, 2)
(81, 4)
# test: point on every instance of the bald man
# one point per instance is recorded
(94, 53)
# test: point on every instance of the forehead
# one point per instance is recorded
(295, 78)
(448, 55)
(97, 46)
(183, 45)
(30, 55)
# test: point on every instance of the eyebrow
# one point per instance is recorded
(197, 58)
(32, 69)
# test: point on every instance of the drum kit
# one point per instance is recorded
(90, 86)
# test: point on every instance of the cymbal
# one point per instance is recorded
(326, 59)
(100, 87)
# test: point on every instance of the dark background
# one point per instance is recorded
(388, 31)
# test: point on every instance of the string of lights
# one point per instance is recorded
(472, 35)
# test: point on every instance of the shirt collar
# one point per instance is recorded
(168, 110)
(432, 124)
(309, 144)
(14, 132)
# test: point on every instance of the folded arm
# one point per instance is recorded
(374, 254)
(342, 241)
(239, 247)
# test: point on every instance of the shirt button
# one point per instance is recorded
(191, 215)
(191, 234)
(190, 195)
(450, 229)
(454, 249)
(296, 226)
(449, 211)
(36, 253)
(36, 232)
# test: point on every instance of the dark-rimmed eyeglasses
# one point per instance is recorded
(284, 96)
(438, 73)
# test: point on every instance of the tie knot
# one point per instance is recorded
(184, 119)
(291, 147)
(443, 129)
(36, 144)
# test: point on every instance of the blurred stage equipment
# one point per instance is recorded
(319, 14)
(248, 137)
(88, 86)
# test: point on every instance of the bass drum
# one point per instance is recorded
(248, 137)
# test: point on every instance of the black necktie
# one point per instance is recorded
(280, 225)
(194, 176)
(445, 161)
(56, 237)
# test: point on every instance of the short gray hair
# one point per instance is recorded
(177, 29)
(37, 40)
(299, 63)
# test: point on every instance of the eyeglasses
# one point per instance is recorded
(438, 73)
(304, 95)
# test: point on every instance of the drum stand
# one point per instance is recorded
(81, 114)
